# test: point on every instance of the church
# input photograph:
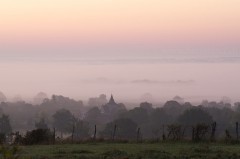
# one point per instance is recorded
(112, 107)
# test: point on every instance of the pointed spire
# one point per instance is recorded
(111, 101)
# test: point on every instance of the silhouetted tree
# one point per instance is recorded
(200, 131)
(228, 137)
(147, 106)
(82, 130)
(194, 116)
(173, 108)
(138, 115)
(38, 136)
(213, 131)
(98, 101)
(41, 124)
(63, 120)
(5, 126)
(224, 117)
(94, 116)
(126, 129)
(40, 97)
(178, 99)
(157, 119)
(58, 102)
(175, 131)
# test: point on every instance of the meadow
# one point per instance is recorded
(167, 150)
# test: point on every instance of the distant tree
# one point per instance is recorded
(237, 106)
(63, 121)
(173, 108)
(58, 102)
(195, 115)
(40, 98)
(200, 131)
(41, 124)
(157, 119)
(138, 115)
(93, 116)
(175, 131)
(226, 100)
(5, 126)
(205, 103)
(198, 120)
(22, 115)
(126, 129)
(81, 130)
(223, 116)
(1, 110)
(98, 101)
(187, 105)
(147, 106)
(178, 99)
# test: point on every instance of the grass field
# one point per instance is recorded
(132, 150)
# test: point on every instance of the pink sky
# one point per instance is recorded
(56, 46)
(107, 22)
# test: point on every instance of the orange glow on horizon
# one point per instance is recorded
(126, 20)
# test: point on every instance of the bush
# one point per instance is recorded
(38, 136)
(2, 138)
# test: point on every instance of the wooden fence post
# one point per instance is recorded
(138, 134)
(95, 132)
(163, 135)
(214, 125)
(193, 133)
(237, 130)
(73, 130)
(114, 132)
(54, 135)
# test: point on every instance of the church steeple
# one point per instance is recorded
(111, 101)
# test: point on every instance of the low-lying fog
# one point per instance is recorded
(129, 78)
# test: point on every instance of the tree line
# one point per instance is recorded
(61, 118)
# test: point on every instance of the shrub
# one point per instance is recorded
(38, 136)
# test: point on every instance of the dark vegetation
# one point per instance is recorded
(61, 120)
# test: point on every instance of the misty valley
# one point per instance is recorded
(105, 119)
(61, 120)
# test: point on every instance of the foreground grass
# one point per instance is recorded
(132, 150)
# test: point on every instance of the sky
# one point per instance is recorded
(108, 23)
(129, 48)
